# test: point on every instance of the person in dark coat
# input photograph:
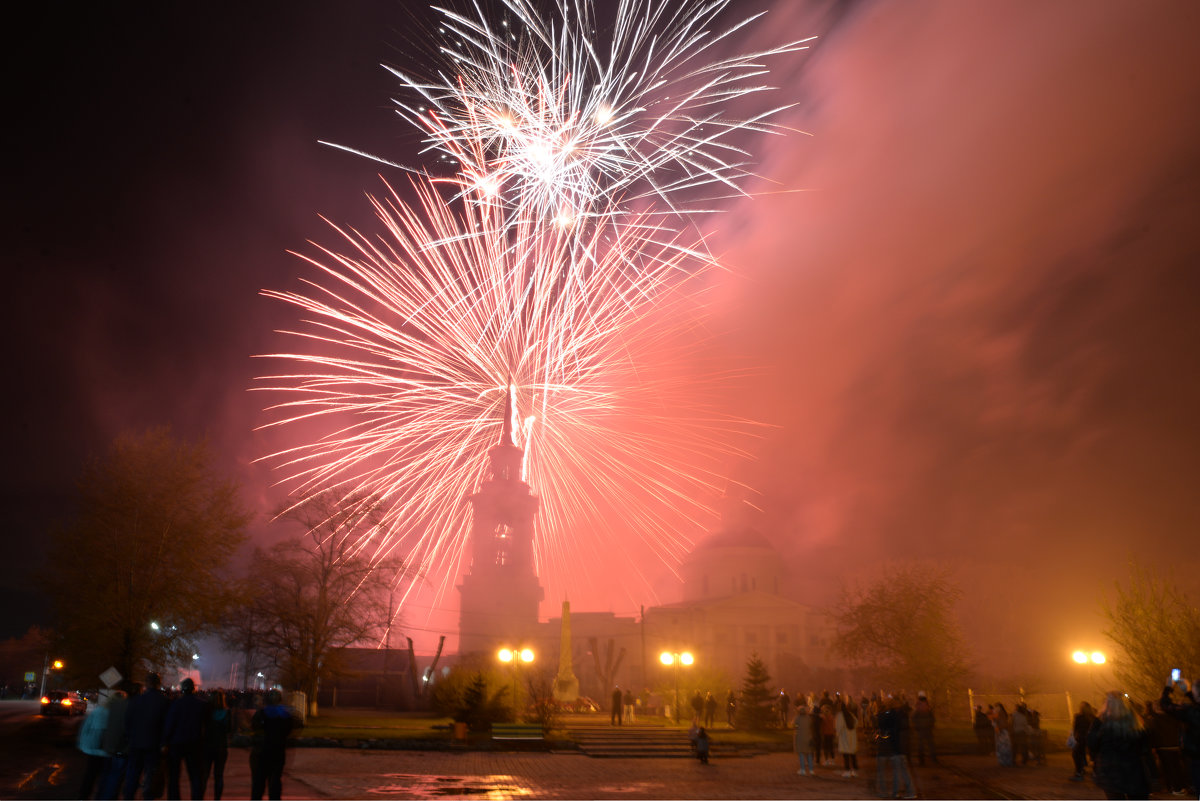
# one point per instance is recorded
(922, 722)
(1119, 744)
(983, 731)
(1081, 726)
(890, 727)
(617, 698)
(183, 736)
(1165, 734)
(1188, 713)
(218, 726)
(271, 726)
(144, 719)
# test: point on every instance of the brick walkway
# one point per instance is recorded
(344, 773)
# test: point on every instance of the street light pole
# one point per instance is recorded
(674, 658)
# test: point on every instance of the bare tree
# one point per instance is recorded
(902, 627)
(323, 591)
(1155, 627)
(140, 573)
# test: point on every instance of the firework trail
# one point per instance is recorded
(411, 340)
(560, 264)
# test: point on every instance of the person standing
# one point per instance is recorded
(218, 726)
(183, 736)
(845, 724)
(828, 729)
(1021, 729)
(922, 722)
(144, 718)
(91, 743)
(1081, 725)
(270, 726)
(1189, 715)
(627, 705)
(1004, 745)
(116, 742)
(889, 726)
(730, 708)
(1118, 742)
(617, 699)
(983, 731)
(804, 739)
(710, 710)
(785, 704)
(702, 745)
(697, 707)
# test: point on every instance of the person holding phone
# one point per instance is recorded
(1187, 711)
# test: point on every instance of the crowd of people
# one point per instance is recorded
(1132, 752)
(142, 739)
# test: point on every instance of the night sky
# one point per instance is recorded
(968, 292)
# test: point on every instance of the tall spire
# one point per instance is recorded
(507, 433)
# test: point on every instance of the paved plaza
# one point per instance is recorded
(346, 773)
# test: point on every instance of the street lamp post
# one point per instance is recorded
(515, 658)
(57, 665)
(674, 659)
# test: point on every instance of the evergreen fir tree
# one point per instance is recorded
(755, 709)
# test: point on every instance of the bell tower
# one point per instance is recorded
(500, 594)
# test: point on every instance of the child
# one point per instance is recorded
(702, 746)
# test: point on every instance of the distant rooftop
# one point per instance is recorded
(744, 537)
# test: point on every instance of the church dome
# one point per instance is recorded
(731, 562)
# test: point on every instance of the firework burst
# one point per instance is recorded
(412, 339)
(535, 112)
(559, 268)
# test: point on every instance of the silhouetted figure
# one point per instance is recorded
(889, 727)
(730, 708)
(1189, 715)
(271, 726)
(922, 722)
(616, 706)
(1118, 742)
(144, 719)
(182, 735)
(1020, 733)
(983, 731)
(710, 709)
(218, 726)
(702, 745)
(1081, 726)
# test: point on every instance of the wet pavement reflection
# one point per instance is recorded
(418, 786)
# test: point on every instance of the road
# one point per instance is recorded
(40, 758)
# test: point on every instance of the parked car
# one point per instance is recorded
(63, 702)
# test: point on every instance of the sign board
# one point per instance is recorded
(110, 677)
(30, 675)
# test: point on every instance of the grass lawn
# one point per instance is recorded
(367, 724)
